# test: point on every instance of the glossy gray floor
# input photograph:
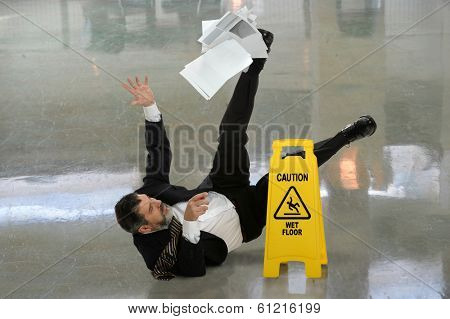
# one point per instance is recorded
(71, 146)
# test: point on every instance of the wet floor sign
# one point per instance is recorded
(294, 227)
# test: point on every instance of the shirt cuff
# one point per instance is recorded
(152, 113)
(191, 231)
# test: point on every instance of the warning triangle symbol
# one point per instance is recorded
(292, 206)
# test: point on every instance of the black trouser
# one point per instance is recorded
(231, 164)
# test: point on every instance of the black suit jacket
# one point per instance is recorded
(210, 250)
(191, 258)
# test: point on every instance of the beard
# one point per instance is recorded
(166, 219)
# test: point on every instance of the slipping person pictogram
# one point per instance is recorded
(180, 231)
(294, 208)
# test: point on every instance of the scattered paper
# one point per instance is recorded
(228, 46)
(239, 26)
(208, 73)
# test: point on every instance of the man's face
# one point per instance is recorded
(154, 211)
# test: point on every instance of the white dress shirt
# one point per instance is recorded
(221, 218)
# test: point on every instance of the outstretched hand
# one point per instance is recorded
(143, 95)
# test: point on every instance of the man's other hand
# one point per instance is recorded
(143, 95)
(196, 206)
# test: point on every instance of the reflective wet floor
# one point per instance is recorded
(71, 145)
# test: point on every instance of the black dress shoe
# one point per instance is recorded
(364, 126)
(267, 37)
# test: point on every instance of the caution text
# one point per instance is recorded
(302, 177)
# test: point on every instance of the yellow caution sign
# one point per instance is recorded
(294, 227)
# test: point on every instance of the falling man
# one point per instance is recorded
(180, 231)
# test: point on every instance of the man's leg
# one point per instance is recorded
(325, 149)
(231, 162)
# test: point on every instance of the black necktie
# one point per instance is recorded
(168, 257)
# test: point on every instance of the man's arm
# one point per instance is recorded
(196, 250)
(192, 259)
(159, 155)
(157, 144)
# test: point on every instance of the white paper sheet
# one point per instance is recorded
(240, 26)
(208, 73)
(206, 24)
(228, 44)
